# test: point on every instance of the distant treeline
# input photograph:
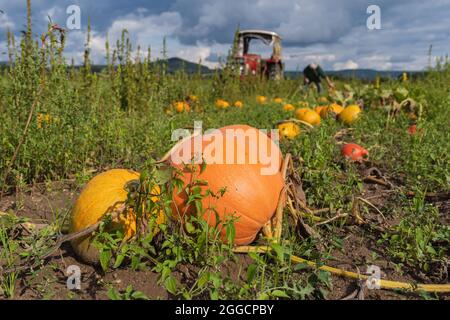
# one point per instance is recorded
(172, 65)
(178, 64)
(363, 74)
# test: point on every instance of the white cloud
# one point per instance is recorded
(76, 40)
(320, 58)
(6, 22)
(55, 13)
(196, 54)
(333, 34)
(146, 30)
(347, 65)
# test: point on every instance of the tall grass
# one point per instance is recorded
(84, 120)
(122, 115)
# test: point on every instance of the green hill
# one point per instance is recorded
(176, 64)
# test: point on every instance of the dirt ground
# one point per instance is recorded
(40, 203)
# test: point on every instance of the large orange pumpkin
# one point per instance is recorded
(103, 194)
(251, 194)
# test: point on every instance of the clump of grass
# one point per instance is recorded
(419, 239)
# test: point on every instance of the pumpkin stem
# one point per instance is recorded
(277, 220)
(169, 153)
(385, 284)
(296, 121)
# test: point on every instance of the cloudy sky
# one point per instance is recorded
(333, 33)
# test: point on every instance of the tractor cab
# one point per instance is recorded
(252, 64)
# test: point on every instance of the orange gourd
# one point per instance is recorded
(220, 103)
(181, 106)
(354, 152)
(278, 100)
(239, 104)
(412, 130)
(251, 195)
(261, 99)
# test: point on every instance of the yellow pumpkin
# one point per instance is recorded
(322, 100)
(333, 108)
(350, 114)
(193, 98)
(309, 116)
(288, 107)
(336, 108)
(288, 130)
(103, 194)
(278, 100)
(261, 99)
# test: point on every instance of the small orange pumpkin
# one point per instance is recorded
(220, 103)
(412, 130)
(261, 99)
(288, 107)
(278, 100)
(354, 152)
(181, 106)
(239, 104)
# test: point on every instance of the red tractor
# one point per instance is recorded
(251, 64)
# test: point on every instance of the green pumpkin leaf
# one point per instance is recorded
(119, 261)
(171, 285)
(251, 272)
(105, 258)
(139, 295)
(279, 294)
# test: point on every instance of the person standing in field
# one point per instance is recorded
(313, 73)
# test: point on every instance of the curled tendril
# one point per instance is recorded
(51, 29)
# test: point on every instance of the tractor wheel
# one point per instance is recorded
(276, 72)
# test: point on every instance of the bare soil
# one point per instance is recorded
(41, 203)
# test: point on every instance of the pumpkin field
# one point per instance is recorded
(361, 192)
